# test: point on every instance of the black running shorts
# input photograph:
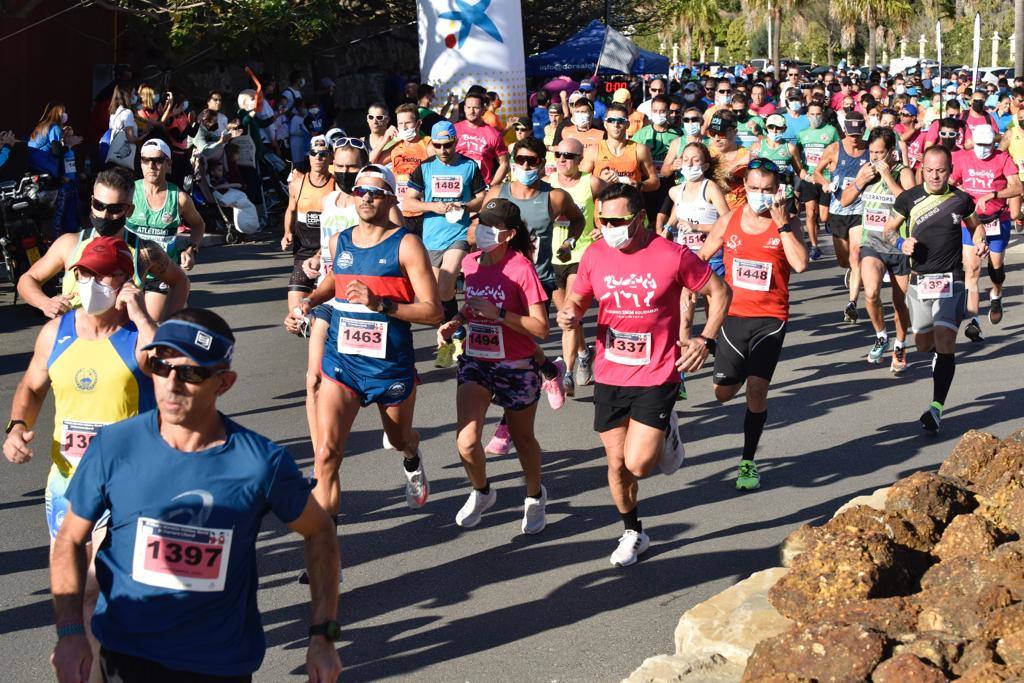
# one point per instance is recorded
(748, 347)
(651, 406)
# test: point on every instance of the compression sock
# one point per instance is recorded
(548, 369)
(411, 464)
(486, 489)
(942, 376)
(753, 425)
(451, 308)
(631, 521)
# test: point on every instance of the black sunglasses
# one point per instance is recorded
(692, 119)
(189, 374)
(444, 145)
(568, 156)
(116, 207)
(321, 154)
(374, 193)
(530, 162)
(153, 161)
(766, 164)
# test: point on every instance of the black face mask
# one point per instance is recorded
(107, 226)
(345, 180)
(847, 109)
(948, 143)
(978, 106)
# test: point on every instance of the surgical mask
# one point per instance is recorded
(982, 151)
(722, 100)
(63, 117)
(96, 298)
(408, 134)
(524, 176)
(760, 201)
(302, 82)
(581, 120)
(487, 238)
(314, 111)
(900, 89)
(796, 105)
(775, 137)
(107, 227)
(872, 122)
(978, 106)
(692, 173)
(616, 238)
(690, 96)
(814, 121)
(345, 180)
(659, 119)
(691, 128)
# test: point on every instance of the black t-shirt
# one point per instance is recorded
(934, 220)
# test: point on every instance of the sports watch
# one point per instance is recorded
(709, 344)
(331, 630)
(12, 423)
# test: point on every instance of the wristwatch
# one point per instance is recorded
(386, 306)
(785, 228)
(331, 630)
(709, 344)
(11, 423)
(502, 313)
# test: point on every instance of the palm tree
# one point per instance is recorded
(696, 21)
(773, 10)
(877, 15)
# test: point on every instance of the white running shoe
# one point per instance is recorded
(673, 452)
(476, 505)
(534, 520)
(386, 443)
(417, 488)
(631, 545)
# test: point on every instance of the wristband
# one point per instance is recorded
(899, 243)
(70, 629)
(858, 187)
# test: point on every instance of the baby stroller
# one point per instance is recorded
(225, 209)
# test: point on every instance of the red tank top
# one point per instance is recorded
(757, 270)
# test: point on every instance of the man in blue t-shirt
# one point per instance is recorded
(187, 489)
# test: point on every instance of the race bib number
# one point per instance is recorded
(400, 191)
(625, 179)
(446, 187)
(993, 228)
(935, 286)
(180, 557)
(875, 219)
(312, 219)
(691, 240)
(69, 165)
(627, 348)
(753, 275)
(363, 337)
(75, 438)
(813, 156)
(485, 341)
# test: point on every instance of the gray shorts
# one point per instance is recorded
(926, 314)
(436, 257)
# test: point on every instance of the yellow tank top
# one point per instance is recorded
(1015, 134)
(69, 283)
(95, 382)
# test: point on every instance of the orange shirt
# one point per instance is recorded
(625, 164)
(637, 120)
(491, 119)
(406, 157)
(589, 139)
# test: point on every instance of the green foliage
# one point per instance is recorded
(737, 41)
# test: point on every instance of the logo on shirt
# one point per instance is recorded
(382, 261)
(166, 217)
(773, 243)
(64, 339)
(633, 291)
(495, 294)
(86, 379)
(345, 259)
(733, 243)
(194, 512)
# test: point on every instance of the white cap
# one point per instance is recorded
(576, 96)
(334, 133)
(378, 171)
(983, 135)
(158, 144)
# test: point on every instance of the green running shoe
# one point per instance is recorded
(749, 479)
(682, 388)
(445, 355)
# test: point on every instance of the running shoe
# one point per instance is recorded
(417, 488)
(386, 443)
(500, 443)
(681, 394)
(1018, 225)
(973, 331)
(631, 545)
(995, 311)
(476, 505)
(534, 520)
(878, 350)
(887, 279)
(814, 253)
(899, 360)
(569, 384)
(553, 388)
(445, 355)
(850, 313)
(748, 479)
(458, 349)
(584, 370)
(673, 452)
(931, 419)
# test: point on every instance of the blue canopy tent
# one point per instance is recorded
(581, 52)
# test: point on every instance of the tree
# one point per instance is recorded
(696, 21)
(894, 15)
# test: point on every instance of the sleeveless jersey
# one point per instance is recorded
(583, 198)
(842, 177)
(812, 143)
(784, 160)
(308, 206)
(757, 270)
(625, 165)
(536, 213)
(69, 283)
(878, 200)
(361, 341)
(691, 212)
(159, 226)
(95, 382)
(333, 220)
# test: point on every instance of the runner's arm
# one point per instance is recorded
(793, 245)
(322, 559)
(891, 231)
(571, 313)
(325, 290)
(717, 197)
(193, 220)
(719, 295)
(68, 565)
(35, 383)
(670, 158)
(534, 324)
(289, 213)
(413, 202)
(794, 159)
(502, 170)
(30, 285)
(716, 238)
(155, 261)
(596, 185)
(651, 181)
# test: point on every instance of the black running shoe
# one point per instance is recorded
(850, 313)
(973, 331)
(995, 311)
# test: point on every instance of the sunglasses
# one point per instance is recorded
(905, 113)
(656, 91)
(348, 142)
(444, 145)
(323, 154)
(568, 156)
(376, 117)
(947, 136)
(777, 128)
(529, 162)
(189, 374)
(116, 207)
(374, 193)
(724, 92)
(692, 119)
(793, 73)
(616, 121)
(153, 161)
(766, 164)
(617, 221)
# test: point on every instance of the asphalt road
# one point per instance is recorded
(425, 600)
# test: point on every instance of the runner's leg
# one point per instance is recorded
(520, 427)
(471, 403)
(899, 304)
(872, 270)
(315, 357)
(397, 422)
(972, 274)
(853, 245)
(337, 407)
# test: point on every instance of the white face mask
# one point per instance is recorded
(581, 120)
(659, 119)
(616, 238)
(795, 105)
(722, 100)
(690, 96)
(96, 298)
(487, 238)
(872, 122)
(408, 134)
(982, 151)
(692, 173)
(900, 89)
(691, 128)
(759, 201)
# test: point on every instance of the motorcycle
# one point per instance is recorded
(22, 210)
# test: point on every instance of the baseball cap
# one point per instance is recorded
(378, 171)
(913, 91)
(983, 135)
(195, 341)
(156, 143)
(106, 256)
(318, 142)
(333, 134)
(854, 126)
(501, 213)
(721, 123)
(691, 87)
(443, 131)
(776, 120)
(576, 97)
(586, 86)
(555, 106)
(622, 96)
(911, 109)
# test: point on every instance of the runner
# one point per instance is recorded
(748, 128)
(796, 119)
(381, 133)
(110, 206)
(619, 159)
(581, 127)
(406, 154)
(186, 489)
(506, 313)
(785, 155)
(90, 357)
(732, 159)
(380, 284)
(843, 161)
(815, 198)
(691, 126)
(445, 190)
(481, 143)
(763, 245)
(932, 237)
(658, 137)
(638, 280)
(990, 177)
(160, 209)
(878, 184)
(306, 193)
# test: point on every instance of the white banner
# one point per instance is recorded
(467, 42)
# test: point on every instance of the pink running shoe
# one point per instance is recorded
(500, 443)
(555, 387)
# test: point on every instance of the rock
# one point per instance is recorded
(1010, 649)
(797, 542)
(823, 652)
(906, 668)
(976, 654)
(731, 623)
(931, 494)
(1003, 503)
(914, 530)
(876, 500)
(968, 535)
(961, 609)
(986, 673)
(895, 617)
(680, 669)
(966, 575)
(971, 457)
(941, 650)
(1007, 464)
(1003, 622)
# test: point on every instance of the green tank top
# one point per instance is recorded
(878, 202)
(812, 143)
(583, 198)
(159, 226)
(69, 283)
(784, 160)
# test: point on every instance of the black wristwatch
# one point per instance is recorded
(502, 313)
(785, 228)
(331, 630)
(386, 306)
(709, 344)
(11, 423)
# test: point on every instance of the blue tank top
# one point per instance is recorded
(361, 340)
(842, 177)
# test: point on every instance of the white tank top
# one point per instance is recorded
(333, 219)
(697, 211)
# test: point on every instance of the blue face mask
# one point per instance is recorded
(775, 137)
(526, 177)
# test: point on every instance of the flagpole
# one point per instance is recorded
(938, 50)
(976, 56)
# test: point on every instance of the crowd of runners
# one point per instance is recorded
(679, 208)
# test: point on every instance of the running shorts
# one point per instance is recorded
(748, 347)
(155, 286)
(896, 264)
(514, 384)
(842, 223)
(808, 191)
(926, 314)
(437, 255)
(387, 391)
(650, 406)
(996, 243)
(562, 273)
(299, 281)
(120, 668)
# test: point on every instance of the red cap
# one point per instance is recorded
(106, 256)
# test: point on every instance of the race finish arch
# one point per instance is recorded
(474, 42)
